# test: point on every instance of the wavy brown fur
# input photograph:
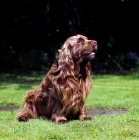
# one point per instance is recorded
(62, 93)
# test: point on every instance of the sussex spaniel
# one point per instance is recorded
(61, 95)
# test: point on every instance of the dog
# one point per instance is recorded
(61, 95)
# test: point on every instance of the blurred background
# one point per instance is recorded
(33, 31)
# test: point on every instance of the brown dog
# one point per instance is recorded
(62, 93)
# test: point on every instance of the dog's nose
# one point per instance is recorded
(94, 43)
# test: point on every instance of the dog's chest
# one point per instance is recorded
(79, 96)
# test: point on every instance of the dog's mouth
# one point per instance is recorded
(92, 55)
(87, 57)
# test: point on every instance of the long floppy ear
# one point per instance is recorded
(65, 81)
(65, 60)
(64, 77)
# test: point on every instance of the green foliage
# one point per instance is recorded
(33, 31)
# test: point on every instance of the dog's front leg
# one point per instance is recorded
(59, 119)
(27, 113)
(83, 115)
(57, 115)
(29, 110)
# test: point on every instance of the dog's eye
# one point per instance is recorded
(80, 41)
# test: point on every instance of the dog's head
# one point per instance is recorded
(75, 51)
(80, 48)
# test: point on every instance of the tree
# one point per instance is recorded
(33, 31)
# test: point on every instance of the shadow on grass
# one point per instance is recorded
(25, 80)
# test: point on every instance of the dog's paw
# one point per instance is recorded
(23, 119)
(59, 120)
(84, 118)
(88, 119)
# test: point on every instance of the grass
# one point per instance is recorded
(108, 92)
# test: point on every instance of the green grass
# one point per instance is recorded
(108, 92)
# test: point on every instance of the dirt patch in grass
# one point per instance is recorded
(93, 112)
(8, 108)
(99, 112)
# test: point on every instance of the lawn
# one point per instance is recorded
(118, 92)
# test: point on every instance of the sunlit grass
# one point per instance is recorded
(108, 92)
(113, 92)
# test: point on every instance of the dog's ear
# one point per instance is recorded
(65, 59)
(65, 74)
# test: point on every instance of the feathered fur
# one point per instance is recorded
(62, 93)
